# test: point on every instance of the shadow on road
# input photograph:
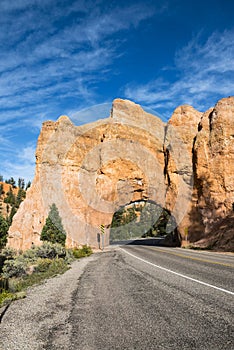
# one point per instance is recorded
(159, 241)
(148, 241)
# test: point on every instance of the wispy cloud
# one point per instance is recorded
(24, 164)
(53, 55)
(56, 57)
(203, 73)
(90, 114)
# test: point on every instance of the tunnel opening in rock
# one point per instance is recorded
(144, 219)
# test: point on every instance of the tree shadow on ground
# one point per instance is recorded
(171, 240)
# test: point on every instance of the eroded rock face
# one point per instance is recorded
(214, 163)
(89, 171)
(178, 147)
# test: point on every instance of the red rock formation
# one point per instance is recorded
(214, 163)
(91, 170)
(178, 147)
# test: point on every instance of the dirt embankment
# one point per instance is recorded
(221, 238)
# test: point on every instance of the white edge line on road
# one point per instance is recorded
(179, 274)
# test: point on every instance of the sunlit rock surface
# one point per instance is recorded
(90, 171)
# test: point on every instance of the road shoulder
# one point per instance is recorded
(29, 323)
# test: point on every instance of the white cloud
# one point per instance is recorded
(53, 55)
(91, 114)
(205, 73)
(27, 154)
(22, 165)
(7, 6)
(215, 55)
(42, 60)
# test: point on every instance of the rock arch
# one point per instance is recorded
(89, 171)
(141, 219)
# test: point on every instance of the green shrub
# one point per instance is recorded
(3, 231)
(4, 284)
(53, 230)
(50, 250)
(30, 254)
(42, 265)
(77, 253)
(15, 267)
(5, 297)
(87, 250)
(37, 264)
(54, 267)
(69, 258)
(8, 253)
(58, 266)
(82, 252)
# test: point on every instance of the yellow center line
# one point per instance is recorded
(189, 257)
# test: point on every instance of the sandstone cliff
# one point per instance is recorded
(89, 171)
(10, 198)
(178, 147)
(214, 163)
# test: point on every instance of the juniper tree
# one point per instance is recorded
(10, 197)
(3, 232)
(1, 189)
(11, 182)
(12, 213)
(53, 230)
(20, 196)
(21, 183)
(28, 185)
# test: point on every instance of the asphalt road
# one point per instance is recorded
(140, 297)
(126, 303)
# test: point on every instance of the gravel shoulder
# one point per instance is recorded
(31, 323)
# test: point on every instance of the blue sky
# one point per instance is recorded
(74, 57)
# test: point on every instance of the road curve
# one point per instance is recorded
(135, 297)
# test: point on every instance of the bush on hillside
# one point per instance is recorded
(42, 265)
(82, 252)
(6, 254)
(50, 251)
(15, 267)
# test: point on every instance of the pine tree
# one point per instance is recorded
(53, 230)
(11, 182)
(10, 197)
(20, 196)
(3, 232)
(12, 213)
(28, 185)
(1, 189)
(21, 183)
